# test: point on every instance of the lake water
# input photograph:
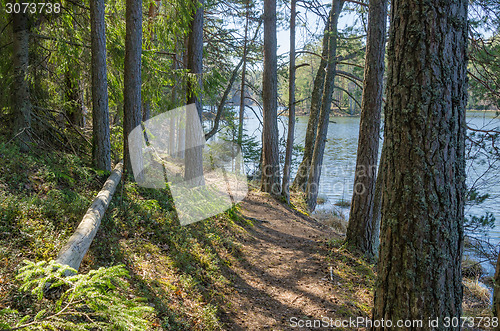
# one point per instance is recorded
(340, 160)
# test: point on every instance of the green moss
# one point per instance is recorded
(179, 269)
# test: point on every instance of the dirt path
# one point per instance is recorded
(283, 272)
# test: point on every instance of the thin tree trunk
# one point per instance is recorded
(361, 231)
(150, 38)
(74, 94)
(291, 107)
(270, 150)
(101, 147)
(74, 86)
(496, 293)
(243, 73)
(132, 79)
(300, 180)
(146, 111)
(227, 91)
(21, 104)
(194, 152)
(377, 202)
(423, 200)
(326, 105)
(222, 103)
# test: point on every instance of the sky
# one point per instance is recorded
(314, 24)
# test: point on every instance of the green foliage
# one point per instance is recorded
(88, 301)
(481, 223)
(484, 73)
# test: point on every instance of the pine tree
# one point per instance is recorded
(362, 231)
(270, 151)
(424, 181)
(101, 147)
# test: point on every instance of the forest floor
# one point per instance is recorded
(294, 272)
(260, 265)
(292, 269)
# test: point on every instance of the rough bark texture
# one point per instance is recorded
(291, 107)
(78, 244)
(360, 231)
(21, 104)
(326, 105)
(496, 293)
(132, 113)
(424, 183)
(300, 180)
(270, 151)
(101, 147)
(194, 156)
(195, 57)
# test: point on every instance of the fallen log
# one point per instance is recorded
(75, 249)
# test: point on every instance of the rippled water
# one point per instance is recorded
(340, 159)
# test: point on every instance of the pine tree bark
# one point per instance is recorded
(270, 152)
(21, 104)
(361, 230)
(291, 107)
(326, 105)
(101, 147)
(193, 171)
(424, 182)
(300, 180)
(132, 113)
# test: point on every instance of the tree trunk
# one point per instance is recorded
(146, 111)
(228, 90)
(21, 104)
(360, 231)
(326, 105)
(424, 182)
(74, 86)
(377, 202)
(496, 292)
(243, 77)
(194, 153)
(243, 73)
(291, 108)
(74, 95)
(101, 147)
(270, 151)
(78, 244)
(132, 79)
(300, 181)
(222, 103)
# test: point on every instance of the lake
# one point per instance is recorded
(339, 162)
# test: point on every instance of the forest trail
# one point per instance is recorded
(283, 271)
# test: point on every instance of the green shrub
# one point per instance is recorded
(87, 301)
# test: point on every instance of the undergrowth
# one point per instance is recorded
(179, 270)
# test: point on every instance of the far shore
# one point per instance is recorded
(336, 113)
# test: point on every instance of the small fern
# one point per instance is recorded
(96, 300)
